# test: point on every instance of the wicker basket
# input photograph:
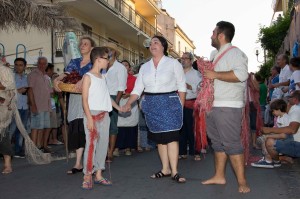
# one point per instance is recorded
(68, 88)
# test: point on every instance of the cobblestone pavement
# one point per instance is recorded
(130, 177)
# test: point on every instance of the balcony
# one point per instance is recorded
(100, 41)
(130, 15)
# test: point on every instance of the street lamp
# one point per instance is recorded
(257, 51)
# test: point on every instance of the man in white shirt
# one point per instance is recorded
(224, 120)
(288, 148)
(187, 137)
(116, 78)
(284, 76)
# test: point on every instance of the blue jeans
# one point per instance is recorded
(289, 148)
(24, 114)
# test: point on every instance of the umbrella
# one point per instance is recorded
(41, 14)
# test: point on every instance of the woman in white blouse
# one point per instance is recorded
(163, 82)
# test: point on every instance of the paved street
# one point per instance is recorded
(130, 176)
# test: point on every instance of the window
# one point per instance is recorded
(87, 29)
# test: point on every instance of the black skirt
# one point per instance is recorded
(76, 135)
(5, 145)
(165, 137)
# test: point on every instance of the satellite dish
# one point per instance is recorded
(146, 43)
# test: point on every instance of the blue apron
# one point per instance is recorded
(163, 112)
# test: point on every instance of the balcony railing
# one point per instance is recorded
(132, 16)
(100, 41)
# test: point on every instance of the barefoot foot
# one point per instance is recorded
(214, 180)
(7, 170)
(244, 188)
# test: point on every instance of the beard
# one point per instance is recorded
(215, 43)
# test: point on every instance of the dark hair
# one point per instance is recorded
(295, 62)
(276, 68)
(93, 43)
(278, 104)
(98, 52)
(194, 65)
(163, 42)
(126, 62)
(296, 94)
(258, 77)
(227, 29)
(21, 59)
(50, 66)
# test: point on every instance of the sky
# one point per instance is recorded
(198, 18)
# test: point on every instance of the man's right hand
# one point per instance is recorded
(33, 109)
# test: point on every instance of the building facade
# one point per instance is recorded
(127, 23)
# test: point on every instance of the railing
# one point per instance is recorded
(100, 41)
(132, 16)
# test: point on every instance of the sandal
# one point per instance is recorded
(159, 175)
(103, 181)
(197, 158)
(74, 171)
(183, 157)
(177, 178)
(87, 184)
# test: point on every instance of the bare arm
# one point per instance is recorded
(276, 136)
(115, 105)
(119, 96)
(280, 84)
(127, 106)
(182, 97)
(31, 101)
(85, 93)
(227, 76)
(57, 81)
(291, 129)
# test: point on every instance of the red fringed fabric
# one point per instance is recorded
(255, 97)
(203, 105)
(204, 102)
(93, 136)
(246, 128)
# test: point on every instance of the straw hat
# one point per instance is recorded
(114, 47)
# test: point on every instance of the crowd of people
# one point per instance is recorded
(118, 111)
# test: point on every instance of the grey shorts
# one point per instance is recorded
(40, 120)
(113, 127)
(224, 129)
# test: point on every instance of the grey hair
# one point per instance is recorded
(191, 56)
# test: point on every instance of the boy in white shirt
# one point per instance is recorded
(96, 105)
(279, 110)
